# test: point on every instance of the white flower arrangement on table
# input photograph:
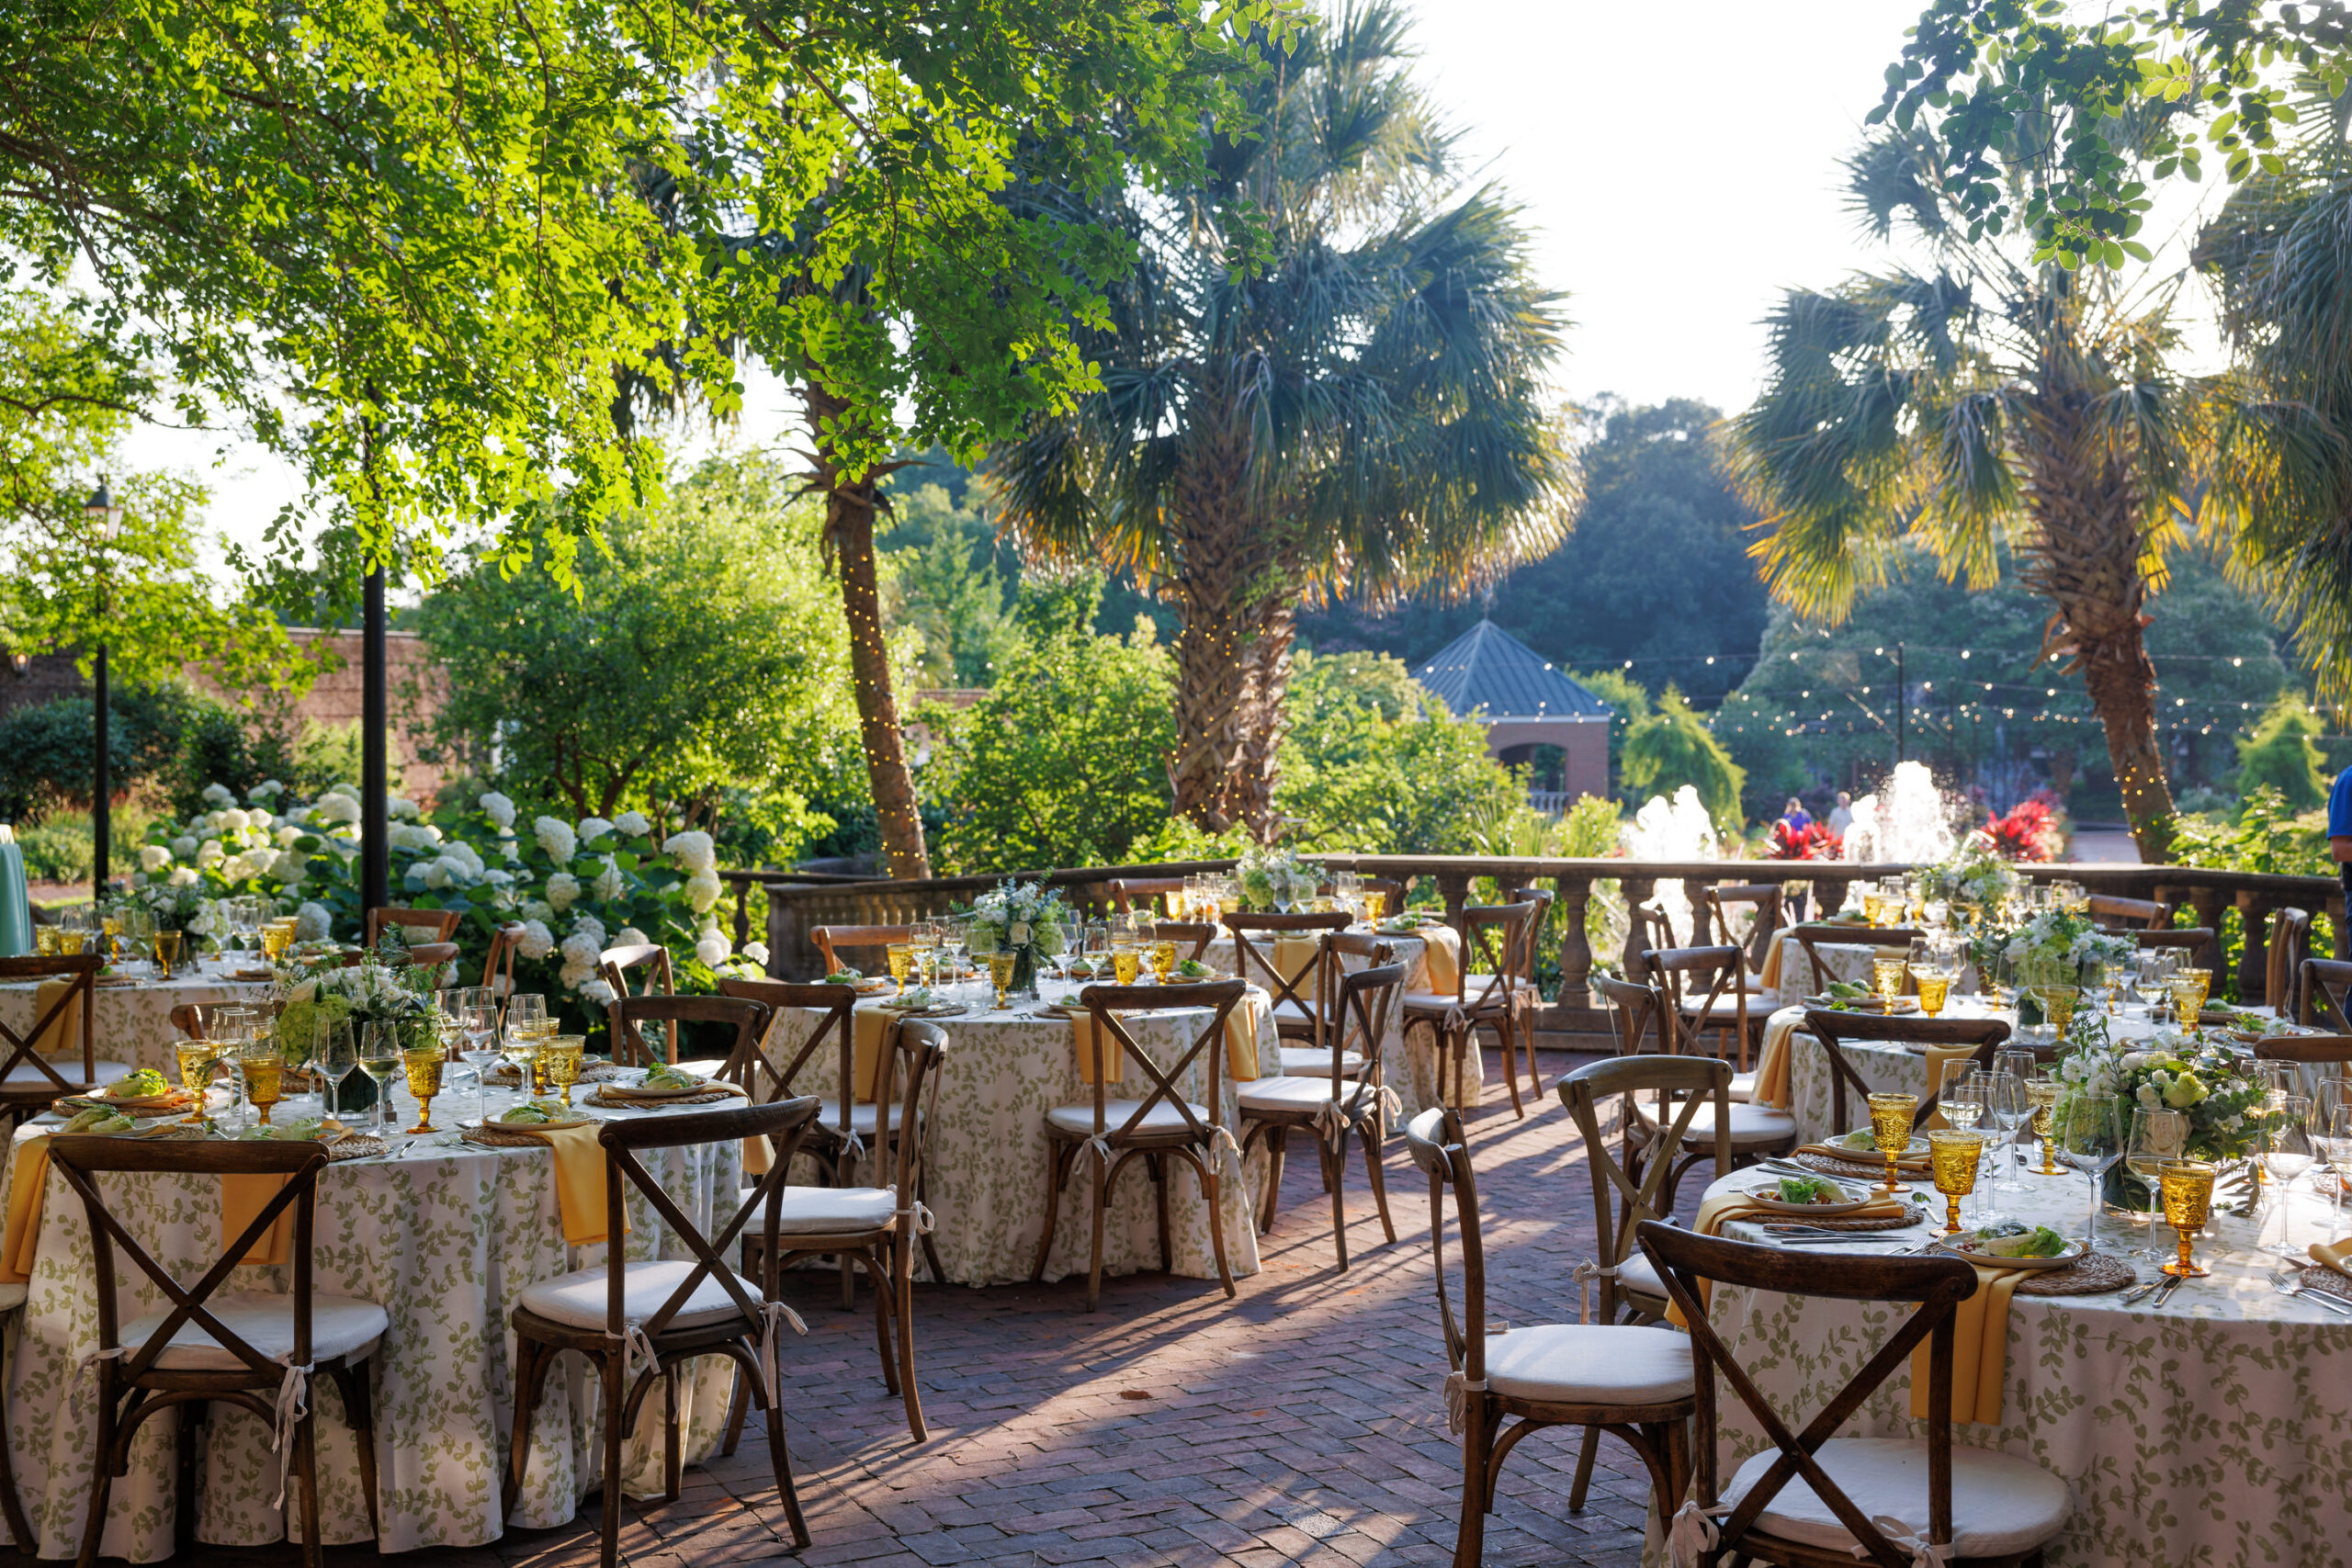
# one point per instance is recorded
(1258, 872)
(1018, 915)
(1976, 875)
(2063, 936)
(2222, 1091)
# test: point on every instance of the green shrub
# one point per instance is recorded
(2281, 754)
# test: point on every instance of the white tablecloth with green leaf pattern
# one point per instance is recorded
(133, 1023)
(444, 1237)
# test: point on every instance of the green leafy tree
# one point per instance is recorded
(1358, 411)
(2281, 755)
(1358, 776)
(1673, 747)
(698, 657)
(942, 581)
(1989, 402)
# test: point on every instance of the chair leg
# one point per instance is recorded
(1056, 1174)
(849, 1282)
(1094, 1254)
(1534, 1074)
(1334, 1182)
(930, 1251)
(102, 1473)
(782, 1462)
(1209, 1184)
(1374, 1158)
(306, 1482)
(1470, 1541)
(184, 1501)
(1277, 1159)
(358, 1413)
(884, 1292)
(737, 1408)
(672, 1459)
(904, 1290)
(1588, 1451)
(615, 1396)
(1508, 1037)
(1158, 1170)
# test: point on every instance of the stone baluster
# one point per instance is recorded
(2205, 903)
(2253, 958)
(1453, 886)
(788, 936)
(1576, 949)
(1639, 890)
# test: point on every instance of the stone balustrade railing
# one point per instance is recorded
(797, 902)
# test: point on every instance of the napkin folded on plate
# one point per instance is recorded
(1727, 1208)
(2336, 1254)
(1772, 1078)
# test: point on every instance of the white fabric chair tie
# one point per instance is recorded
(1101, 1147)
(853, 1147)
(1332, 1124)
(1458, 1390)
(1898, 1534)
(635, 1342)
(293, 1403)
(774, 1315)
(1692, 1533)
(1221, 1137)
(920, 1212)
(1588, 1270)
(94, 1356)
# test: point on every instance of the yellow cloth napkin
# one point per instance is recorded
(63, 1037)
(1114, 1055)
(1773, 1076)
(1936, 1056)
(1877, 1160)
(1242, 1039)
(867, 1027)
(1769, 977)
(25, 1191)
(2336, 1254)
(242, 1197)
(1444, 952)
(1980, 1351)
(1295, 962)
(579, 1181)
(1732, 1205)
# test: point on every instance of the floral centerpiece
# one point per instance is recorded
(1269, 877)
(1976, 879)
(365, 993)
(2221, 1092)
(177, 906)
(1023, 918)
(2063, 939)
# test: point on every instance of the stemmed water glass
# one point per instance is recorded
(2090, 1138)
(2156, 1137)
(2287, 1152)
(2332, 1141)
(332, 1051)
(2152, 976)
(2010, 1108)
(380, 1058)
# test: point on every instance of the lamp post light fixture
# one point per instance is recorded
(104, 517)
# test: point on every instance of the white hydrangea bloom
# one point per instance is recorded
(349, 792)
(219, 794)
(593, 829)
(702, 890)
(537, 943)
(596, 993)
(415, 835)
(181, 877)
(435, 872)
(288, 867)
(557, 839)
(269, 789)
(258, 818)
(633, 823)
(757, 952)
(713, 948)
(233, 820)
(537, 909)
(610, 883)
(629, 936)
(335, 808)
(154, 857)
(694, 851)
(252, 863)
(510, 846)
(210, 852)
(200, 824)
(592, 929)
(401, 808)
(310, 923)
(497, 807)
(288, 836)
(184, 846)
(461, 856)
(563, 888)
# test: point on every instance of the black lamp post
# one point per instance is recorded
(104, 517)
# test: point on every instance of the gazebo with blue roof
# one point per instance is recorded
(1525, 701)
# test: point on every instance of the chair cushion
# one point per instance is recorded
(1438, 1001)
(1638, 1274)
(70, 1069)
(1591, 1363)
(1476, 982)
(1079, 1119)
(1291, 1012)
(12, 1296)
(1726, 1009)
(340, 1326)
(1298, 1094)
(1751, 1126)
(1307, 1060)
(1743, 1087)
(862, 1118)
(2002, 1506)
(828, 1209)
(577, 1299)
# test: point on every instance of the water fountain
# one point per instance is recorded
(1908, 821)
(1679, 829)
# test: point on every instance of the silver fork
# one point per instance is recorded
(2288, 1284)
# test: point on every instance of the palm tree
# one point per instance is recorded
(1322, 378)
(1982, 403)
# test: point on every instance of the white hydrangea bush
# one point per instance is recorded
(575, 887)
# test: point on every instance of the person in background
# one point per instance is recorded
(2339, 827)
(1796, 816)
(1842, 817)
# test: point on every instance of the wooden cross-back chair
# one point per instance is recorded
(2290, 943)
(1197, 932)
(1333, 951)
(1348, 1095)
(1652, 929)
(617, 963)
(873, 1225)
(2327, 991)
(1835, 1030)
(747, 1018)
(1110, 1133)
(1857, 1498)
(1630, 1381)
(1494, 947)
(1623, 1194)
(2307, 1050)
(441, 925)
(1723, 970)
(254, 1350)
(670, 1311)
(837, 1140)
(1128, 892)
(1635, 1011)
(194, 1020)
(1762, 899)
(1297, 1016)
(2196, 944)
(30, 1082)
(1391, 891)
(1531, 943)
(1814, 935)
(831, 940)
(498, 965)
(2112, 912)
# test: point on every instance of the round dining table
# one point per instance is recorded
(445, 1235)
(987, 1156)
(130, 1018)
(2214, 1429)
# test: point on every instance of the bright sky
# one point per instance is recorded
(1679, 164)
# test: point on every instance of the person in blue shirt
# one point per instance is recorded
(1799, 818)
(2339, 827)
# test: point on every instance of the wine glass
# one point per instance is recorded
(563, 1062)
(1002, 964)
(2187, 1186)
(2043, 1094)
(2156, 1137)
(2287, 1152)
(1887, 965)
(901, 956)
(2008, 1104)
(265, 1071)
(332, 1050)
(1960, 1094)
(423, 1066)
(1164, 959)
(2152, 976)
(2090, 1138)
(1891, 1117)
(195, 1059)
(2190, 987)
(1952, 1154)
(380, 1058)
(2332, 1141)
(168, 953)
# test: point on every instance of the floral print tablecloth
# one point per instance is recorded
(2217, 1430)
(133, 1023)
(445, 1236)
(987, 1154)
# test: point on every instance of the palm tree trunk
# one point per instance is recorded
(2087, 501)
(1268, 656)
(849, 537)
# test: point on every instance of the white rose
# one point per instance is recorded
(702, 890)
(536, 942)
(593, 829)
(1017, 934)
(210, 852)
(713, 948)
(694, 851)
(218, 794)
(562, 889)
(596, 993)
(154, 857)
(633, 823)
(498, 808)
(610, 883)
(310, 923)
(306, 991)
(557, 839)
(757, 952)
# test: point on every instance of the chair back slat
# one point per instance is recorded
(747, 1018)
(1652, 929)
(1105, 1003)
(441, 923)
(2326, 990)
(1624, 1193)
(1813, 935)
(2290, 943)
(1936, 1284)
(836, 1007)
(1679, 971)
(498, 965)
(2310, 1050)
(1126, 893)
(1279, 988)
(831, 940)
(1763, 899)
(1496, 942)
(2112, 912)
(81, 970)
(1198, 932)
(617, 963)
(2196, 943)
(1836, 1030)
(1362, 1002)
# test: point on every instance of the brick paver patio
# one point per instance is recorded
(1301, 1423)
